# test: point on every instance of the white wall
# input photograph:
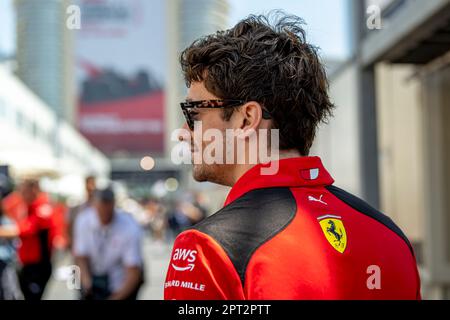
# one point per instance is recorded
(337, 142)
(29, 136)
(400, 147)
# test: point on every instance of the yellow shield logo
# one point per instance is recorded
(334, 230)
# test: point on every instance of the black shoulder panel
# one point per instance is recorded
(366, 209)
(248, 222)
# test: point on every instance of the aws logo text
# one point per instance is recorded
(184, 255)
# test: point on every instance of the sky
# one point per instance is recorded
(327, 21)
(7, 25)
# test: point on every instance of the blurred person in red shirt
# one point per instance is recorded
(36, 229)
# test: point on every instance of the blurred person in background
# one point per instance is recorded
(200, 202)
(193, 212)
(180, 216)
(9, 283)
(156, 213)
(90, 187)
(186, 213)
(107, 247)
(60, 235)
(36, 228)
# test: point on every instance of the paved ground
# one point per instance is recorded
(156, 257)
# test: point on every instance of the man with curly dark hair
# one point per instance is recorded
(285, 232)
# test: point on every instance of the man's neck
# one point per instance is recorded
(108, 223)
(241, 169)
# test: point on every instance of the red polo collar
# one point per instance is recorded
(292, 172)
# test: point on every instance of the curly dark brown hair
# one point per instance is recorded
(265, 59)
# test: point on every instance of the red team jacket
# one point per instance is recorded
(35, 230)
(292, 235)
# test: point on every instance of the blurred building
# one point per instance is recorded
(120, 72)
(34, 143)
(391, 125)
(45, 53)
(116, 112)
(200, 18)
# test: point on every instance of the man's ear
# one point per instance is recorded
(250, 117)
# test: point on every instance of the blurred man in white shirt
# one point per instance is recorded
(107, 248)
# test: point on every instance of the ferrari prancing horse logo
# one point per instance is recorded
(334, 231)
